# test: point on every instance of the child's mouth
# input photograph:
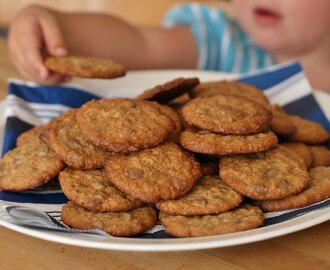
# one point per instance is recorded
(266, 17)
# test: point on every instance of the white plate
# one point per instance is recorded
(131, 85)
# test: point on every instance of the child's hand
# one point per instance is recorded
(34, 34)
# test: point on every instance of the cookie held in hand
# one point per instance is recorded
(86, 67)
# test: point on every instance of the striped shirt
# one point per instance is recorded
(222, 44)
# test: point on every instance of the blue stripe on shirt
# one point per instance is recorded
(213, 31)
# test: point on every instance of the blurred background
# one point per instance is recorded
(142, 12)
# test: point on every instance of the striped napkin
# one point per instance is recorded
(29, 105)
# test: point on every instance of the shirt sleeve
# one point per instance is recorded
(222, 44)
(208, 27)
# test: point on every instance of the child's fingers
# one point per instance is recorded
(29, 56)
(25, 42)
(31, 70)
(52, 36)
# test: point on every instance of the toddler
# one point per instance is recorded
(264, 32)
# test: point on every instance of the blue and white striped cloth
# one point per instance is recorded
(222, 44)
(29, 105)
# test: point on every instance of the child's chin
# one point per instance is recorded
(271, 44)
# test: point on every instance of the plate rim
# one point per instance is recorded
(176, 244)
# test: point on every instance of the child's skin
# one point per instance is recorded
(288, 29)
(299, 29)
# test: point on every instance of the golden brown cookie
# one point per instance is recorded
(64, 137)
(227, 114)
(88, 67)
(93, 190)
(302, 150)
(240, 219)
(209, 89)
(115, 223)
(281, 123)
(168, 111)
(123, 125)
(272, 174)
(209, 196)
(307, 131)
(321, 155)
(206, 142)
(165, 92)
(28, 166)
(317, 190)
(181, 100)
(31, 134)
(161, 173)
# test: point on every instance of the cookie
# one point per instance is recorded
(281, 124)
(307, 131)
(272, 174)
(31, 134)
(227, 114)
(206, 142)
(115, 223)
(213, 88)
(240, 219)
(303, 151)
(209, 196)
(123, 125)
(87, 67)
(94, 191)
(28, 166)
(181, 100)
(161, 173)
(321, 155)
(64, 137)
(317, 190)
(165, 92)
(178, 109)
(168, 111)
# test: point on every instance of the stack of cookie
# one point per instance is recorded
(206, 155)
(220, 122)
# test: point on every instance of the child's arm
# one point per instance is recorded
(37, 30)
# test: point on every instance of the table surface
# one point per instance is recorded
(306, 249)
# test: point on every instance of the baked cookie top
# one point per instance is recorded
(209, 196)
(65, 138)
(321, 155)
(115, 223)
(88, 67)
(28, 166)
(123, 125)
(301, 150)
(31, 134)
(171, 113)
(213, 88)
(227, 114)
(307, 131)
(163, 93)
(240, 219)
(317, 190)
(272, 174)
(281, 123)
(93, 190)
(206, 142)
(161, 173)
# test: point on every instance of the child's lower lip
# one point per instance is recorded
(266, 17)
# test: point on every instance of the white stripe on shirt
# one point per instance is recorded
(202, 60)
